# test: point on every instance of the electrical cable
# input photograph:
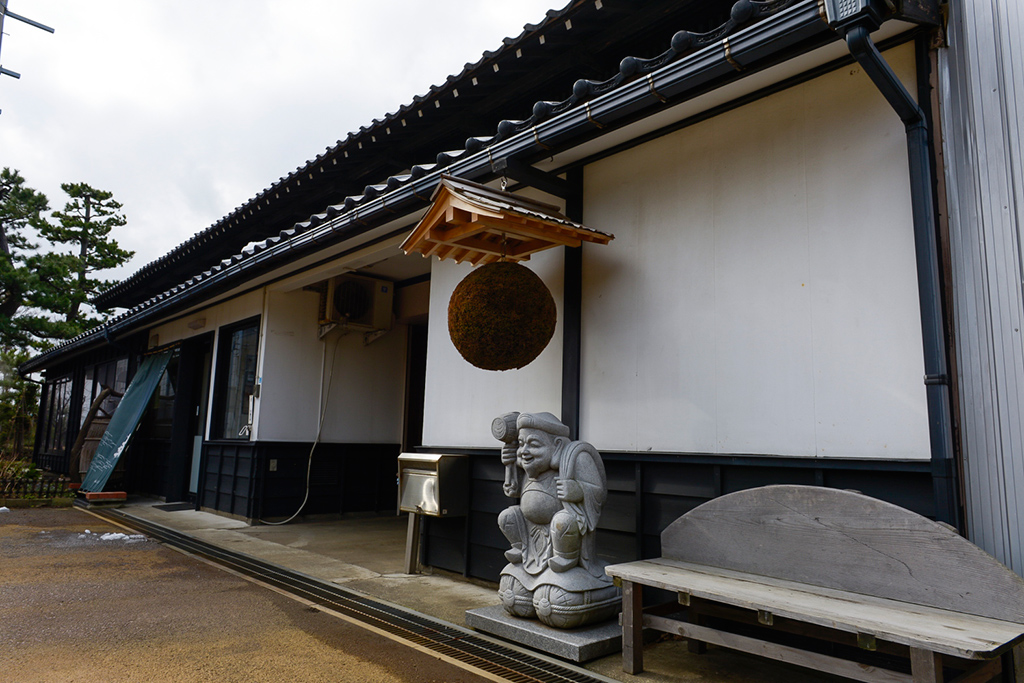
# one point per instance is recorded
(325, 400)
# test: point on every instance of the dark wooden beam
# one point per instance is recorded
(528, 175)
(572, 311)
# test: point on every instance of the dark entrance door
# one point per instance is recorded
(190, 409)
(415, 383)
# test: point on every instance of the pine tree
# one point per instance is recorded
(43, 293)
(19, 399)
(85, 224)
(33, 285)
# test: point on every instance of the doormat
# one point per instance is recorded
(174, 507)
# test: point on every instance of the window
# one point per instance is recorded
(55, 417)
(159, 417)
(87, 395)
(112, 375)
(236, 380)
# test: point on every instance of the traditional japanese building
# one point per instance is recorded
(814, 278)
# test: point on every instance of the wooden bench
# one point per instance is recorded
(850, 571)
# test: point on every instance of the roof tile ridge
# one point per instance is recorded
(744, 12)
(434, 90)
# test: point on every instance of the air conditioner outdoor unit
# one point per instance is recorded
(357, 302)
(843, 13)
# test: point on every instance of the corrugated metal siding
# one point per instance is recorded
(982, 91)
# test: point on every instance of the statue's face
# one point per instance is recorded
(536, 451)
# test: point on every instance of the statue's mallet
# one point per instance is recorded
(504, 429)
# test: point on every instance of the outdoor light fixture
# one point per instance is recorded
(842, 14)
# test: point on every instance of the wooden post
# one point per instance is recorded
(632, 627)
(695, 617)
(572, 313)
(925, 666)
(412, 545)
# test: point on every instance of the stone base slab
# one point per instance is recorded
(576, 645)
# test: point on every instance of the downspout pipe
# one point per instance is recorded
(936, 364)
(107, 337)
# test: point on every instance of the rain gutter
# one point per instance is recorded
(723, 61)
(936, 365)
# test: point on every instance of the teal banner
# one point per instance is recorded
(125, 421)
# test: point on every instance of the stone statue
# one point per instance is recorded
(553, 572)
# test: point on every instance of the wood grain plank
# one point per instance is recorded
(738, 615)
(845, 541)
(945, 631)
(632, 628)
(783, 653)
(925, 666)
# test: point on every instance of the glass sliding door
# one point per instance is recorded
(236, 381)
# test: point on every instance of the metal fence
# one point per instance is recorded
(35, 488)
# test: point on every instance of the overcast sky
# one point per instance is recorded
(186, 109)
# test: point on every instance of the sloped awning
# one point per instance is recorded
(472, 222)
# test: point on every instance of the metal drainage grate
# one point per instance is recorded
(438, 636)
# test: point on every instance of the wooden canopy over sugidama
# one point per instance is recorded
(472, 222)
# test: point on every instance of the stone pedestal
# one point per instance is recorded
(576, 645)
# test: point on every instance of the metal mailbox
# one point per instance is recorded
(433, 484)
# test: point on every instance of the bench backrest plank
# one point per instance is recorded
(846, 541)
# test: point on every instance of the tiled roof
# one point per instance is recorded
(586, 38)
(691, 63)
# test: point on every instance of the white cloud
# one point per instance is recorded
(185, 110)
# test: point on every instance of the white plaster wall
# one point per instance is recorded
(239, 308)
(367, 396)
(462, 400)
(760, 296)
(290, 361)
(206, 321)
(367, 385)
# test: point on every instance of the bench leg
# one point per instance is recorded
(632, 627)
(925, 666)
(697, 647)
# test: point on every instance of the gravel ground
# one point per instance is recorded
(83, 600)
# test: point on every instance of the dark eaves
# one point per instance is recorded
(305, 235)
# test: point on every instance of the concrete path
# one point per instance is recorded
(364, 554)
(84, 600)
(367, 555)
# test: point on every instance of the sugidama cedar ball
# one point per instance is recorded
(501, 316)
